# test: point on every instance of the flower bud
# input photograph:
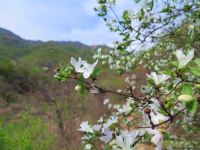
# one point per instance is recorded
(78, 88)
(185, 98)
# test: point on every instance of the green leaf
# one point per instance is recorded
(187, 89)
(141, 16)
(169, 72)
(170, 86)
(161, 111)
(137, 1)
(187, 7)
(164, 10)
(174, 63)
(150, 5)
(62, 74)
(101, 1)
(169, 103)
(191, 106)
(120, 71)
(96, 72)
(195, 70)
(197, 61)
(80, 82)
(125, 15)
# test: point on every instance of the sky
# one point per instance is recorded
(59, 20)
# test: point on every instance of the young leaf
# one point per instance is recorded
(197, 61)
(191, 106)
(170, 86)
(125, 15)
(80, 83)
(169, 72)
(195, 70)
(62, 74)
(164, 10)
(96, 72)
(141, 16)
(187, 89)
(150, 5)
(174, 63)
(161, 111)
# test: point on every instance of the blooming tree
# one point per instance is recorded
(171, 92)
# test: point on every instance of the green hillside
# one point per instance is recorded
(27, 86)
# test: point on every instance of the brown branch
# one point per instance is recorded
(102, 90)
(174, 88)
(137, 141)
(170, 119)
(194, 82)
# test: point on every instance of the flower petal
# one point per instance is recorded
(73, 61)
(189, 57)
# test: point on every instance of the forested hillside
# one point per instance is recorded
(32, 100)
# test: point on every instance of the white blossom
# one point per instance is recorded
(157, 139)
(106, 101)
(156, 117)
(88, 147)
(119, 91)
(88, 69)
(130, 100)
(78, 65)
(110, 121)
(107, 135)
(158, 79)
(126, 139)
(96, 127)
(85, 127)
(83, 67)
(109, 106)
(100, 120)
(86, 137)
(184, 59)
(126, 108)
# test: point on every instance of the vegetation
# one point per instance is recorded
(169, 99)
(27, 133)
(157, 110)
(27, 85)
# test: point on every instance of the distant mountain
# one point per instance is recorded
(10, 39)
(75, 44)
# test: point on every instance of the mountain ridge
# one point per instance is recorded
(8, 37)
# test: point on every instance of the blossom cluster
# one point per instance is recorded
(141, 119)
(123, 129)
(116, 60)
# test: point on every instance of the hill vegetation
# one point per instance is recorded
(31, 100)
(29, 94)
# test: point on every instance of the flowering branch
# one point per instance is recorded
(164, 122)
(158, 106)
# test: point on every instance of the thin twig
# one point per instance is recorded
(170, 119)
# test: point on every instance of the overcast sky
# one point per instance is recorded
(55, 20)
